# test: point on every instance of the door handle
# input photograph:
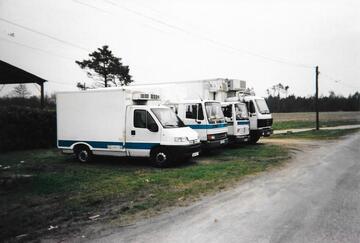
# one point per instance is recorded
(132, 132)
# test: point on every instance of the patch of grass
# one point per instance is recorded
(63, 192)
(281, 125)
(321, 134)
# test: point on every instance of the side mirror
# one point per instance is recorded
(197, 121)
(153, 127)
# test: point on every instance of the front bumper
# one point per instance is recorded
(239, 138)
(265, 132)
(185, 151)
(210, 144)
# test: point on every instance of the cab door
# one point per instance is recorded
(142, 132)
(230, 118)
(252, 114)
(193, 116)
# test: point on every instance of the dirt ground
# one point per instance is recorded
(305, 116)
(310, 199)
(296, 146)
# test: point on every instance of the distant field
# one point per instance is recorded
(307, 119)
(328, 116)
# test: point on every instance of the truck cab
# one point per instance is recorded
(260, 117)
(206, 118)
(156, 131)
(237, 119)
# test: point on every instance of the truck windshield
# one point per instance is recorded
(214, 112)
(167, 117)
(262, 106)
(241, 111)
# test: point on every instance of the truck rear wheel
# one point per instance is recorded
(83, 153)
(160, 157)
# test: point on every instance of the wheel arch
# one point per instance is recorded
(156, 147)
(78, 144)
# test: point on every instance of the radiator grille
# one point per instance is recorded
(265, 122)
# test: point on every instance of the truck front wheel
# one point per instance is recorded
(83, 153)
(160, 157)
(254, 138)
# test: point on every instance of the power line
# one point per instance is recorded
(35, 48)
(61, 83)
(338, 81)
(44, 34)
(183, 30)
(111, 13)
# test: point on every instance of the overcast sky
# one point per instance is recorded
(261, 41)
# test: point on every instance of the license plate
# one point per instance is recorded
(195, 154)
(222, 141)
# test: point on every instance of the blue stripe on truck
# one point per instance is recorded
(207, 126)
(104, 145)
(140, 145)
(243, 122)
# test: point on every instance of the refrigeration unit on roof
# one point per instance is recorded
(236, 85)
(145, 96)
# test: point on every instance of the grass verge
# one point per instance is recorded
(281, 125)
(52, 189)
(319, 135)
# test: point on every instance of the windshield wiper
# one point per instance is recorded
(170, 125)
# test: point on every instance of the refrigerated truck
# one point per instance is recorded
(206, 118)
(259, 115)
(222, 90)
(122, 122)
(237, 119)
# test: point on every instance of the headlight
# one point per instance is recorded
(194, 141)
(180, 139)
(210, 137)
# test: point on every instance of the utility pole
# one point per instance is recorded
(317, 96)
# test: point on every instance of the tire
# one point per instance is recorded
(83, 153)
(160, 157)
(254, 139)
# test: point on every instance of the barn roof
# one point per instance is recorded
(10, 74)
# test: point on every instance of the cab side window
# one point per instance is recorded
(227, 111)
(140, 118)
(194, 111)
(251, 107)
(143, 119)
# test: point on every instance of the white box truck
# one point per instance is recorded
(122, 122)
(223, 90)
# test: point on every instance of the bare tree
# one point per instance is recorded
(278, 89)
(21, 91)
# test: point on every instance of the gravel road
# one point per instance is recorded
(315, 198)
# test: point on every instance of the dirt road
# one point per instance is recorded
(315, 198)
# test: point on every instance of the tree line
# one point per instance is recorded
(279, 101)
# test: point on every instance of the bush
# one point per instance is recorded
(26, 128)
